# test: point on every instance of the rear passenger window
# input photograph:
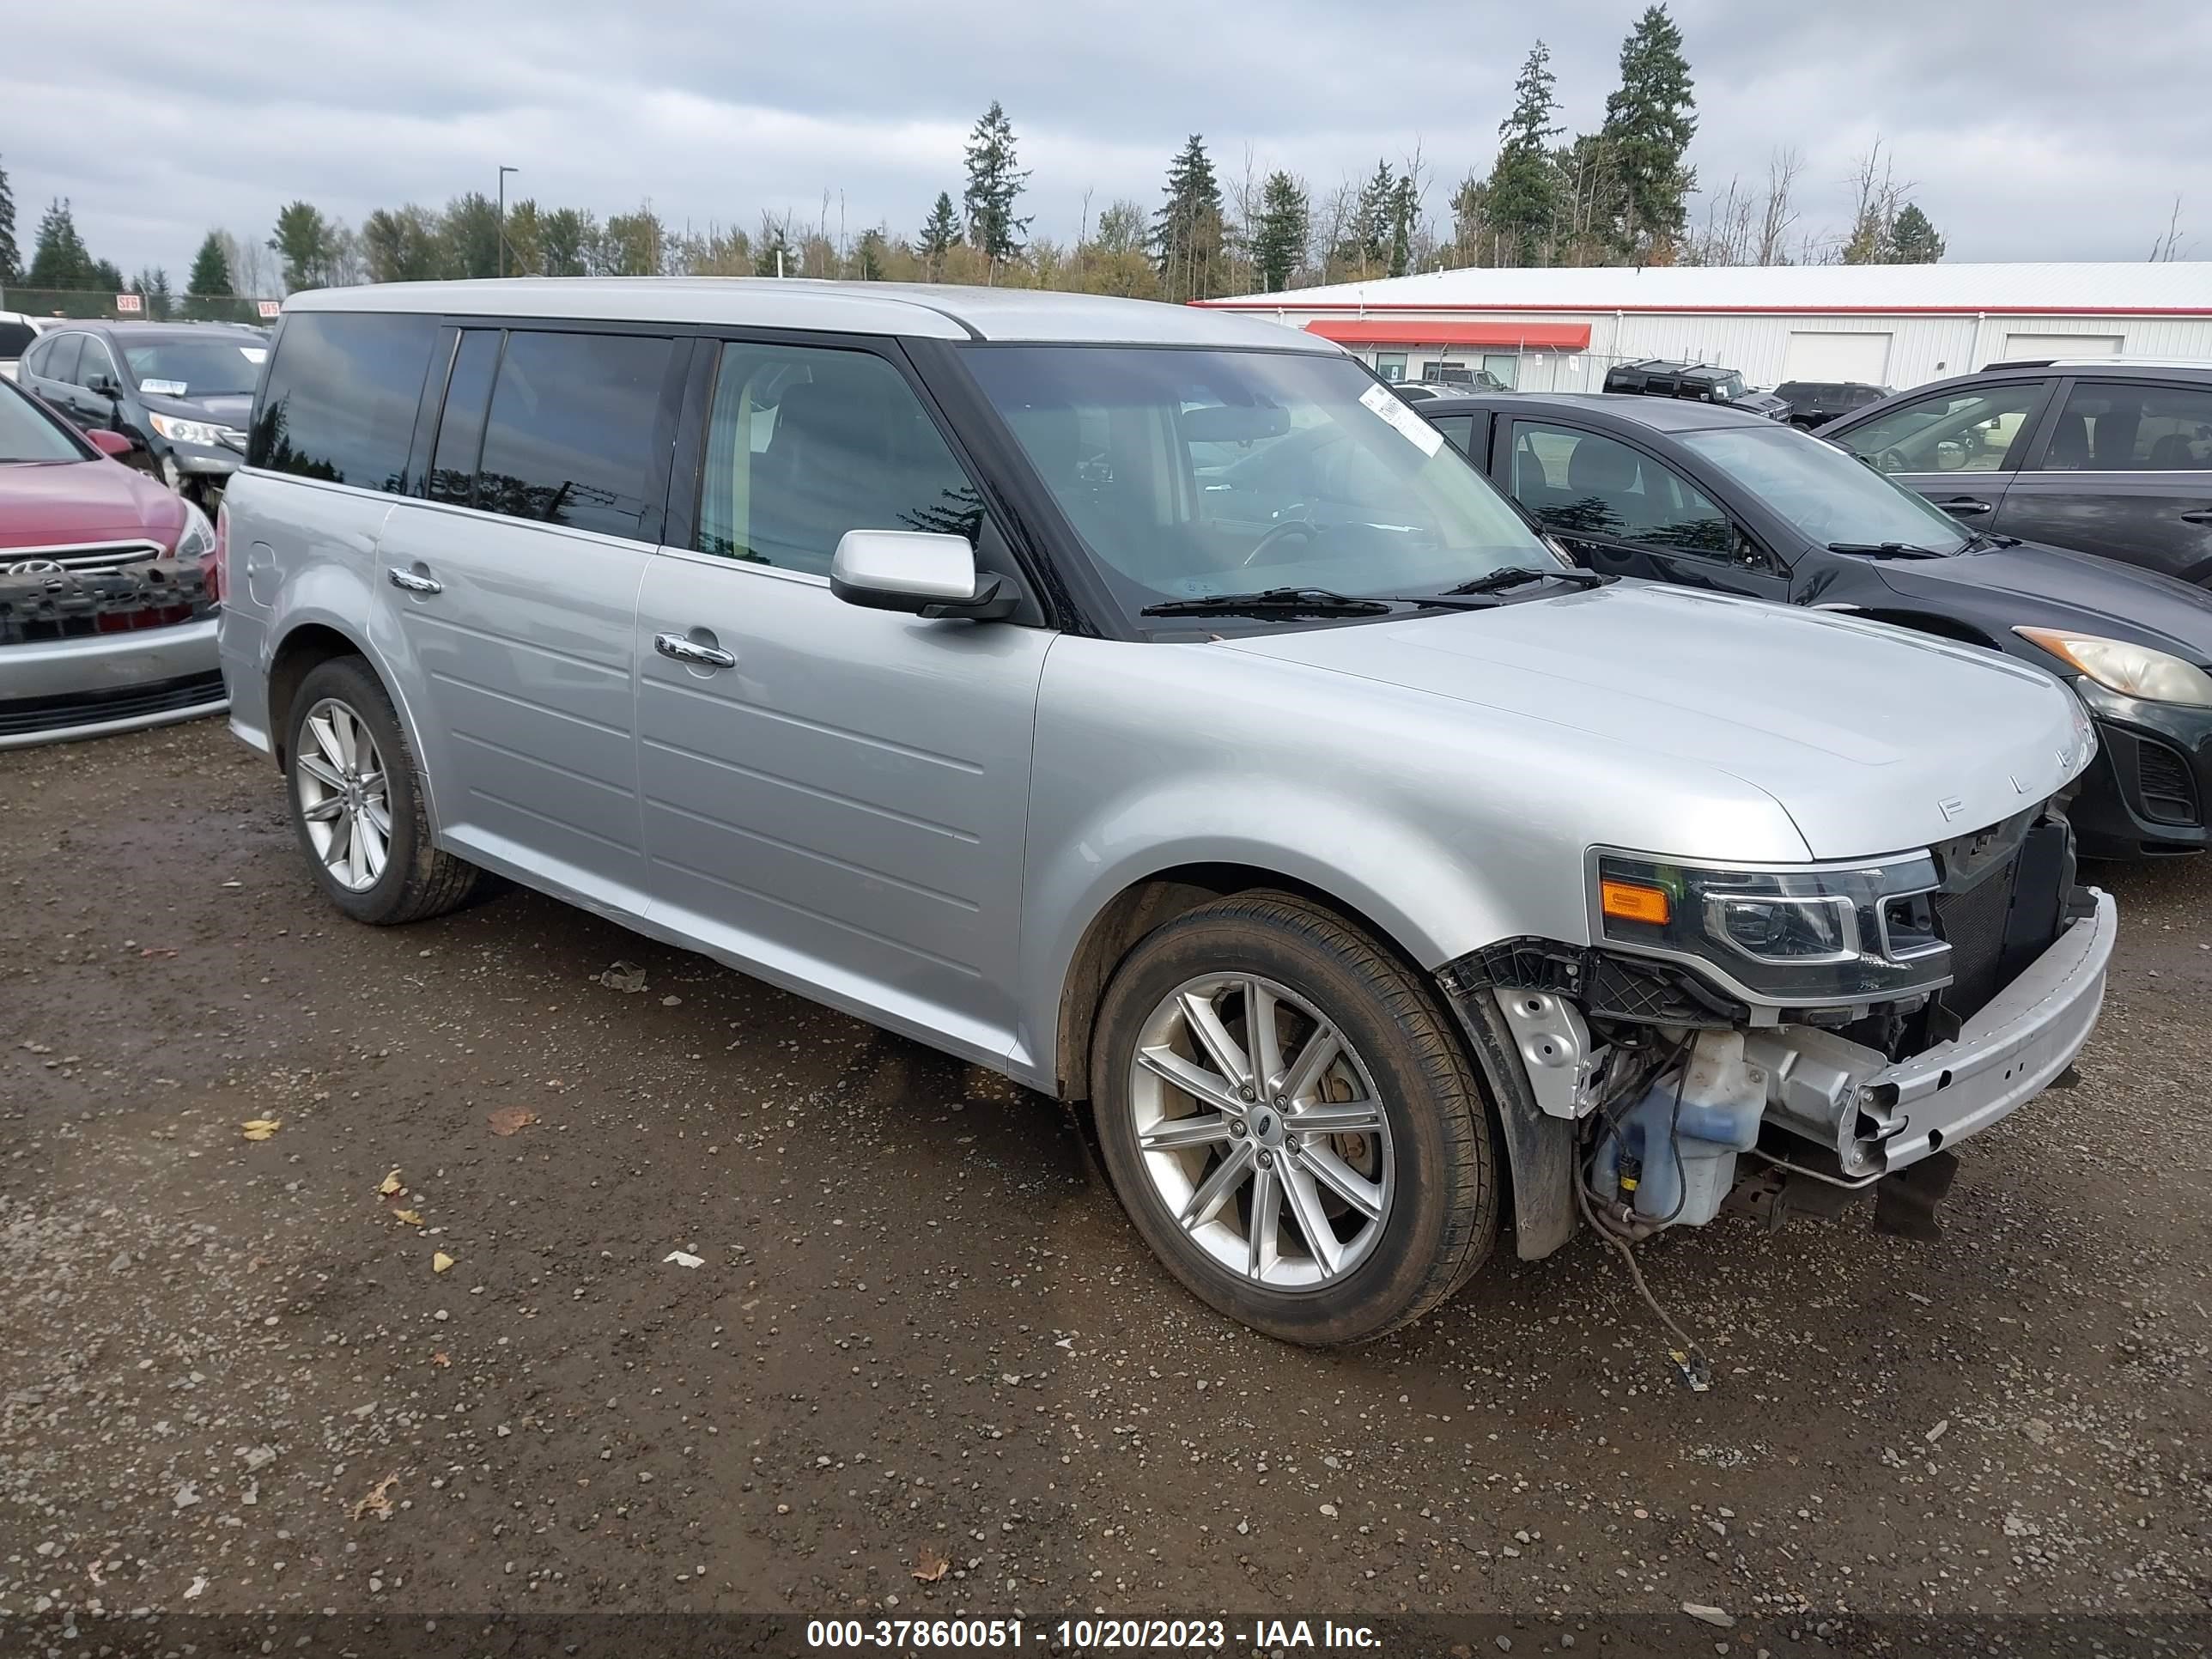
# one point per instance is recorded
(571, 438)
(1586, 483)
(340, 399)
(2116, 426)
(461, 430)
(805, 444)
(59, 362)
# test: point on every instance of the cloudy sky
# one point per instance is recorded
(2039, 130)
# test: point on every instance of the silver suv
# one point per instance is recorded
(1146, 704)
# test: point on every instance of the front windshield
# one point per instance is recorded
(195, 368)
(27, 435)
(1823, 491)
(1190, 473)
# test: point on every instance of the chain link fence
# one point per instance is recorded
(83, 306)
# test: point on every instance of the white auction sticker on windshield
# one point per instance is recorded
(1411, 427)
(163, 388)
(254, 354)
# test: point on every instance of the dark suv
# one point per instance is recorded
(1816, 402)
(1703, 383)
(179, 391)
(2103, 455)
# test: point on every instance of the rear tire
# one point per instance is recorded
(1398, 1179)
(355, 796)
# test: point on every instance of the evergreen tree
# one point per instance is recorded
(106, 277)
(940, 232)
(303, 243)
(1647, 131)
(872, 256)
(1368, 237)
(994, 184)
(1522, 199)
(210, 277)
(1186, 231)
(469, 230)
(1404, 208)
(60, 260)
(1278, 235)
(1912, 238)
(11, 256)
(152, 287)
(776, 256)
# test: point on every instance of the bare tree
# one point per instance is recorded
(1878, 196)
(2168, 248)
(1778, 216)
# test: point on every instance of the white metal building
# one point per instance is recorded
(1892, 326)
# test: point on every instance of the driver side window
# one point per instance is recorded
(1585, 483)
(1968, 430)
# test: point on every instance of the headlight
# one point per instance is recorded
(1839, 934)
(197, 539)
(2133, 671)
(202, 433)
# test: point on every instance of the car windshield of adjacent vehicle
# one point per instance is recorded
(1829, 495)
(1191, 474)
(195, 368)
(28, 437)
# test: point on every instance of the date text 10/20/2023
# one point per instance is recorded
(1087, 1635)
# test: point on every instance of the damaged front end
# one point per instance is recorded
(1780, 1041)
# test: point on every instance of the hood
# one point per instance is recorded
(231, 410)
(2038, 587)
(51, 505)
(1828, 716)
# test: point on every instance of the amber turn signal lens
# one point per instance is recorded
(1630, 902)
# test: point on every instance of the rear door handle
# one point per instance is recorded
(1965, 507)
(691, 651)
(2202, 515)
(413, 583)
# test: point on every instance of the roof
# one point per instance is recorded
(139, 329)
(2177, 288)
(1660, 414)
(938, 310)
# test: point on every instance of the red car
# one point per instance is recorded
(108, 586)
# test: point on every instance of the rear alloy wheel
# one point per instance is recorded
(1291, 1122)
(357, 805)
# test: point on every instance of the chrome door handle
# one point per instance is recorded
(691, 651)
(1965, 506)
(413, 583)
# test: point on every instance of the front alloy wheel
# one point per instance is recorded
(1260, 1131)
(1291, 1122)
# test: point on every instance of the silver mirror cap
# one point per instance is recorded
(908, 564)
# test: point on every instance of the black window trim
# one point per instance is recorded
(1003, 544)
(1772, 563)
(2063, 394)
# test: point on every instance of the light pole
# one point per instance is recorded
(504, 172)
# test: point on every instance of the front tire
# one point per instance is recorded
(356, 803)
(1291, 1122)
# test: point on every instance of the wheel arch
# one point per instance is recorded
(307, 643)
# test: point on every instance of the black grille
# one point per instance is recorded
(2169, 792)
(1973, 924)
(21, 715)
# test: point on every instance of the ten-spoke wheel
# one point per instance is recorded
(1291, 1122)
(340, 781)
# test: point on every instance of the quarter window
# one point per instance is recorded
(1585, 483)
(570, 439)
(59, 362)
(2114, 427)
(1969, 430)
(805, 444)
(340, 399)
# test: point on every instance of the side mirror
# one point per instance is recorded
(1950, 457)
(921, 574)
(113, 445)
(103, 386)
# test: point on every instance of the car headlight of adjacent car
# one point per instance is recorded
(1821, 934)
(2133, 671)
(202, 433)
(197, 540)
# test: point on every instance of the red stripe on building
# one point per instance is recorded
(1369, 308)
(1572, 337)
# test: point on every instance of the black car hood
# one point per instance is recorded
(228, 410)
(2034, 585)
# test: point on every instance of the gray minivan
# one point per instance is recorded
(1146, 704)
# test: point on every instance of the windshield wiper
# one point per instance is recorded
(1985, 540)
(1299, 601)
(1514, 575)
(1887, 549)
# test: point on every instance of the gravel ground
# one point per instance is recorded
(390, 1359)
